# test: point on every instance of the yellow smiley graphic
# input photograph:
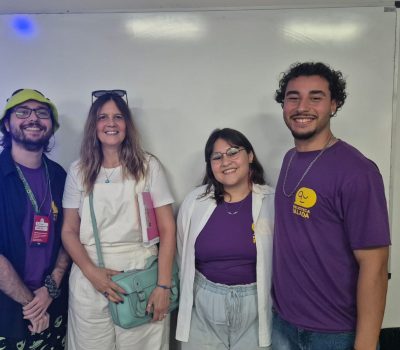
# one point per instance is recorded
(305, 197)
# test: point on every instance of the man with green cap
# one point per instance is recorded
(33, 263)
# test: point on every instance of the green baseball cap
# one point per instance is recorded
(29, 94)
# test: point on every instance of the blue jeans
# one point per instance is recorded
(285, 336)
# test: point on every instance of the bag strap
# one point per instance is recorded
(150, 260)
(95, 231)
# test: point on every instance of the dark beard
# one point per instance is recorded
(305, 136)
(31, 145)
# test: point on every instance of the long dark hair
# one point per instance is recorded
(234, 138)
(131, 153)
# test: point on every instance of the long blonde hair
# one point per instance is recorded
(131, 154)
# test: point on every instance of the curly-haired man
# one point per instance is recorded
(332, 233)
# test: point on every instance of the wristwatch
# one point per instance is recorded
(51, 286)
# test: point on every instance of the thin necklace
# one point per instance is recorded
(237, 209)
(290, 194)
(108, 177)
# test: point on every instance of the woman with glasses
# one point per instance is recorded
(224, 233)
(114, 168)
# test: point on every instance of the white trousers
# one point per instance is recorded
(90, 326)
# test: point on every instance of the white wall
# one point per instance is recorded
(189, 72)
(392, 314)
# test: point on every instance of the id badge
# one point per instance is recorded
(40, 230)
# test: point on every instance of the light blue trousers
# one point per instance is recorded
(223, 317)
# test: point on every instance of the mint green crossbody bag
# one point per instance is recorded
(138, 284)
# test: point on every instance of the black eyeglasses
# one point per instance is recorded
(116, 92)
(25, 112)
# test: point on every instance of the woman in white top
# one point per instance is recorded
(114, 167)
(224, 239)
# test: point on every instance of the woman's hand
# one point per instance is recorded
(39, 304)
(159, 298)
(100, 278)
(159, 303)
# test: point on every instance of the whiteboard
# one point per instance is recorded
(188, 73)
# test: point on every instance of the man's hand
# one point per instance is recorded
(37, 308)
(38, 325)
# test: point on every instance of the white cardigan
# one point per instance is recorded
(193, 215)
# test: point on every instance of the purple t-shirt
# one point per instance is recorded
(338, 207)
(38, 258)
(224, 250)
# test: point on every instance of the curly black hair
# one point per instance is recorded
(335, 79)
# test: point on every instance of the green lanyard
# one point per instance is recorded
(28, 189)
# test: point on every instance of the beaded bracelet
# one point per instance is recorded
(51, 286)
(163, 286)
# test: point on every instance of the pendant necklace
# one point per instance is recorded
(234, 212)
(108, 177)
(290, 194)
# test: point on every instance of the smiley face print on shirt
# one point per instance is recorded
(304, 200)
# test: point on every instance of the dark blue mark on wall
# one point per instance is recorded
(23, 26)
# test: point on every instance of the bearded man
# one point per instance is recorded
(33, 295)
(331, 238)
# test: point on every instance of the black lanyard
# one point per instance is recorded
(28, 189)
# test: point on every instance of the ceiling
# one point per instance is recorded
(106, 6)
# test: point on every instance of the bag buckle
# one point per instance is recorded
(141, 296)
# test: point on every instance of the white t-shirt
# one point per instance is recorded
(156, 184)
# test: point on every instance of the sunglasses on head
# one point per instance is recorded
(120, 93)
